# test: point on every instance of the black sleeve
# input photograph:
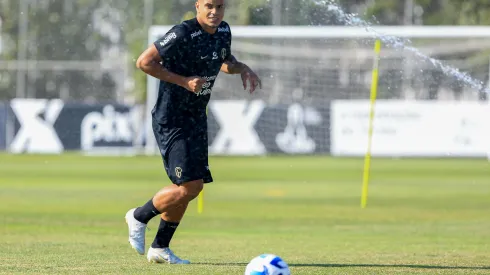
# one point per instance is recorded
(228, 46)
(173, 41)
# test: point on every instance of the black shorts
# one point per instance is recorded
(184, 152)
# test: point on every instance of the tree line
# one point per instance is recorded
(116, 31)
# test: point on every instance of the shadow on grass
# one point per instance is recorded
(367, 265)
(395, 265)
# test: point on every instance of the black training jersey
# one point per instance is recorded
(188, 50)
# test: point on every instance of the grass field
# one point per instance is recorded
(65, 214)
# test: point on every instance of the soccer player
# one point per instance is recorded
(187, 61)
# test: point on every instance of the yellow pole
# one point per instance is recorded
(200, 202)
(367, 157)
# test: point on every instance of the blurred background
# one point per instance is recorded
(84, 52)
(287, 161)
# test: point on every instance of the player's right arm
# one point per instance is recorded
(149, 61)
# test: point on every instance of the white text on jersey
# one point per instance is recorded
(194, 34)
(169, 37)
(225, 29)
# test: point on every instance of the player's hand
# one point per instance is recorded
(194, 83)
(249, 76)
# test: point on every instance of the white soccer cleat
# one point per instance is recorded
(137, 231)
(164, 255)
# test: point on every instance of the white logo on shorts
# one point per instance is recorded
(178, 172)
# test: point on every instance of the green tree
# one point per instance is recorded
(436, 12)
(71, 30)
(74, 30)
(8, 32)
(136, 38)
(298, 12)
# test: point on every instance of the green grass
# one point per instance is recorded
(65, 214)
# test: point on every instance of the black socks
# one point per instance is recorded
(165, 233)
(166, 229)
(146, 212)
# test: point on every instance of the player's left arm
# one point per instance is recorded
(232, 66)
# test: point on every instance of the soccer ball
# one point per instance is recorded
(267, 264)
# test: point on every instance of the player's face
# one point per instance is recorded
(210, 12)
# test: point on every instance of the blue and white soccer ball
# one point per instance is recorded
(267, 264)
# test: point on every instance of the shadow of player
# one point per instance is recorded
(415, 266)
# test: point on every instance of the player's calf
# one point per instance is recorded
(175, 195)
(190, 190)
(168, 199)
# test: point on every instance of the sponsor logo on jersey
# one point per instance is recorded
(169, 37)
(210, 78)
(195, 34)
(206, 87)
(225, 29)
(204, 92)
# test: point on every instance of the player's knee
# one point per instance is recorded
(190, 190)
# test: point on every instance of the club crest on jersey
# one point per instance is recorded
(223, 53)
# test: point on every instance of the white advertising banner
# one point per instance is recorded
(411, 128)
(237, 135)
